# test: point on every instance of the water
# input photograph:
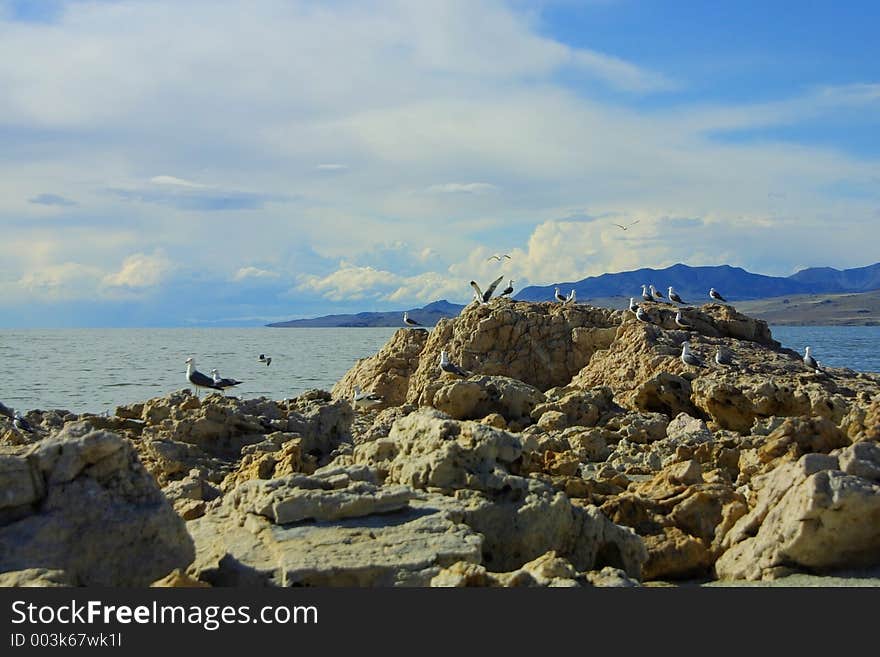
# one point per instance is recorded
(93, 370)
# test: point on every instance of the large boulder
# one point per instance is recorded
(81, 502)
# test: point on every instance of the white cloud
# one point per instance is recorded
(461, 188)
(351, 282)
(176, 182)
(253, 272)
(140, 271)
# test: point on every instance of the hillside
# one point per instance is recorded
(817, 309)
(428, 315)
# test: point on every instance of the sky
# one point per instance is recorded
(238, 162)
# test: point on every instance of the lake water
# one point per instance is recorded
(97, 369)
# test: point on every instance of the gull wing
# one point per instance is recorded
(477, 289)
(488, 294)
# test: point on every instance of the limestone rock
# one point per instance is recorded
(89, 509)
(479, 396)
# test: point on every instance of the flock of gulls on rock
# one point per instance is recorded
(367, 399)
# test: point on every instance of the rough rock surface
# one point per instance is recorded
(81, 502)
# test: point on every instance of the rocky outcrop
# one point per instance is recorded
(388, 372)
(81, 502)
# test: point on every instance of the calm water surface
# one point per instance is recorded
(97, 369)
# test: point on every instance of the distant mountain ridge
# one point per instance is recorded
(427, 315)
(691, 283)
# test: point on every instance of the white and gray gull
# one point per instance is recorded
(265, 359)
(645, 294)
(365, 399)
(656, 293)
(508, 290)
(713, 293)
(681, 321)
(559, 296)
(484, 297)
(673, 295)
(221, 383)
(689, 358)
(723, 357)
(810, 362)
(409, 321)
(21, 424)
(448, 366)
(642, 316)
(198, 379)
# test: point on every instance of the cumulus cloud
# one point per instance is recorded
(52, 199)
(62, 282)
(351, 282)
(254, 272)
(139, 271)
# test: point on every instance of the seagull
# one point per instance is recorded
(645, 294)
(265, 359)
(632, 304)
(223, 383)
(714, 294)
(21, 424)
(498, 257)
(570, 298)
(508, 289)
(673, 295)
(656, 293)
(409, 321)
(448, 366)
(559, 296)
(680, 321)
(641, 315)
(688, 358)
(198, 379)
(810, 362)
(366, 399)
(723, 357)
(629, 225)
(485, 296)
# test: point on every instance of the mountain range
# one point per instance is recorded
(691, 283)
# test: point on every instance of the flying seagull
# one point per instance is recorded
(409, 321)
(723, 357)
(688, 358)
(265, 359)
(485, 296)
(508, 289)
(656, 293)
(21, 424)
(810, 362)
(645, 294)
(448, 366)
(498, 257)
(673, 295)
(629, 225)
(715, 295)
(198, 379)
(366, 399)
(642, 316)
(223, 383)
(681, 321)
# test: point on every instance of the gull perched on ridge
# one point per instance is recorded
(645, 294)
(508, 289)
(485, 296)
(673, 295)
(223, 383)
(810, 362)
(365, 399)
(681, 321)
(642, 316)
(409, 321)
(21, 424)
(723, 357)
(632, 304)
(689, 358)
(715, 295)
(448, 366)
(570, 298)
(198, 379)
(559, 296)
(656, 293)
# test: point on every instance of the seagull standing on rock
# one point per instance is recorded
(570, 298)
(633, 305)
(680, 321)
(448, 366)
(559, 296)
(365, 399)
(723, 357)
(689, 358)
(222, 384)
(508, 289)
(645, 294)
(409, 321)
(714, 294)
(21, 424)
(642, 316)
(810, 362)
(673, 295)
(198, 379)
(656, 293)
(485, 296)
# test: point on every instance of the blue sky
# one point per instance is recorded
(231, 163)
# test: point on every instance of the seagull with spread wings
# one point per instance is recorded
(498, 257)
(629, 225)
(485, 296)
